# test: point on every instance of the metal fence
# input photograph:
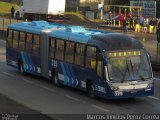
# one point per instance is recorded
(4, 22)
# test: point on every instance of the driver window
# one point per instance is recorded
(91, 57)
(100, 64)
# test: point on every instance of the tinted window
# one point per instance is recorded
(59, 50)
(36, 42)
(52, 48)
(91, 57)
(15, 39)
(9, 38)
(69, 52)
(22, 41)
(79, 54)
(29, 42)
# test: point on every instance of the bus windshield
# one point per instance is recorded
(128, 65)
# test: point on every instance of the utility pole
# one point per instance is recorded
(102, 2)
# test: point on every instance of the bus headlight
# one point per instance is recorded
(150, 85)
(114, 88)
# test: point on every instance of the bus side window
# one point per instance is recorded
(91, 57)
(29, 42)
(59, 50)
(9, 38)
(79, 54)
(15, 39)
(22, 41)
(69, 52)
(36, 42)
(100, 69)
(52, 47)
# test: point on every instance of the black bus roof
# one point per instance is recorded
(115, 41)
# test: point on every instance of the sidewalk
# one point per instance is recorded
(119, 29)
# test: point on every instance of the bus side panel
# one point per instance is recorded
(76, 77)
(31, 63)
(67, 73)
(12, 57)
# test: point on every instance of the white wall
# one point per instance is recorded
(44, 6)
(56, 7)
(148, 7)
(35, 6)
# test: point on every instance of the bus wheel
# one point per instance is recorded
(55, 78)
(90, 90)
(21, 68)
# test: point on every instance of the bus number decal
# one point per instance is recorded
(118, 93)
(32, 68)
(83, 84)
(38, 70)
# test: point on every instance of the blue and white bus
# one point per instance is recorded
(105, 64)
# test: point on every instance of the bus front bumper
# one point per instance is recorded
(131, 93)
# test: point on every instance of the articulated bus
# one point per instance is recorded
(105, 64)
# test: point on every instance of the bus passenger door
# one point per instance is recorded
(44, 52)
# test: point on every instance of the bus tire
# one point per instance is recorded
(21, 67)
(90, 90)
(55, 78)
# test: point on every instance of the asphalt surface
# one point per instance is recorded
(10, 109)
(31, 95)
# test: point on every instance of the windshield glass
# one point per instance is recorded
(128, 65)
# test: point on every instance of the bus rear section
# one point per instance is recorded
(23, 48)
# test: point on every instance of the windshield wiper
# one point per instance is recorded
(127, 68)
(141, 77)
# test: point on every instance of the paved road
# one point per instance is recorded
(10, 109)
(39, 94)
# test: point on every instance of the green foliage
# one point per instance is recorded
(15, 1)
(5, 7)
(77, 18)
(80, 17)
(76, 14)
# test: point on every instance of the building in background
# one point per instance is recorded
(148, 7)
(90, 7)
(72, 5)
